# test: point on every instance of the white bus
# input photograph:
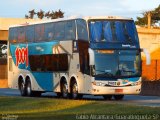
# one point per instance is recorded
(76, 56)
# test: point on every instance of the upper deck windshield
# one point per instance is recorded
(113, 31)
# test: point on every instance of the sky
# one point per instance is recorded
(125, 8)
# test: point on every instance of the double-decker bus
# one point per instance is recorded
(75, 56)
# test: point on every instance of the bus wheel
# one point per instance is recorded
(29, 89)
(74, 91)
(22, 88)
(118, 97)
(64, 89)
(107, 97)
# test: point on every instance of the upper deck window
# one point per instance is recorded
(49, 31)
(82, 30)
(13, 35)
(60, 31)
(21, 34)
(63, 30)
(30, 33)
(39, 32)
(70, 30)
(118, 31)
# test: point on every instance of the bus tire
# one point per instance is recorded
(118, 97)
(64, 89)
(29, 88)
(74, 91)
(22, 88)
(107, 97)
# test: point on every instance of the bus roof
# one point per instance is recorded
(73, 18)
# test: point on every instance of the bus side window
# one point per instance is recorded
(13, 35)
(30, 33)
(39, 32)
(49, 31)
(21, 34)
(82, 30)
(52, 62)
(70, 30)
(60, 30)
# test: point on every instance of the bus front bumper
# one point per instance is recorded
(104, 90)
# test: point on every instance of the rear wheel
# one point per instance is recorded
(22, 88)
(118, 97)
(74, 91)
(29, 88)
(107, 97)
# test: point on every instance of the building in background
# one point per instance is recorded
(4, 26)
(150, 39)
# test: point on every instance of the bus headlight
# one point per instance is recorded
(138, 83)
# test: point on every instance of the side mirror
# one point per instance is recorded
(148, 58)
(91, 56)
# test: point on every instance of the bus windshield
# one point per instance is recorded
(117, 63)
(113, 31)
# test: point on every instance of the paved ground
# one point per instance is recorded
(152, 101)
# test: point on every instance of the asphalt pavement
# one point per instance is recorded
(151, 101)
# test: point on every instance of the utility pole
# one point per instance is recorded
(149, 19)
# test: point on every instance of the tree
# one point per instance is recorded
(26, 16)
(32, 13)
(47, 14)
(41, 14)
(155, 15)
(59, 14)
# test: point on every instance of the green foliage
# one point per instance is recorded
(141, 20)
(65, 109)
(155, 17)
(42, 14)
(156, 14)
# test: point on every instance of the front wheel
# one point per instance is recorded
(118, 97)
(74, 91)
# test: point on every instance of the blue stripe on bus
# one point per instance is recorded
(103, 45)
(41, 48)
(44, 80)
(134, 79)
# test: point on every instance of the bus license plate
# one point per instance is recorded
(119, 90)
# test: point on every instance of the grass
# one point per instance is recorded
(63, 109)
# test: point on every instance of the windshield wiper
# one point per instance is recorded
(105, 73)
(128, 71)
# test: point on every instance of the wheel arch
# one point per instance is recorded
(63, 78)
(72, 79)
